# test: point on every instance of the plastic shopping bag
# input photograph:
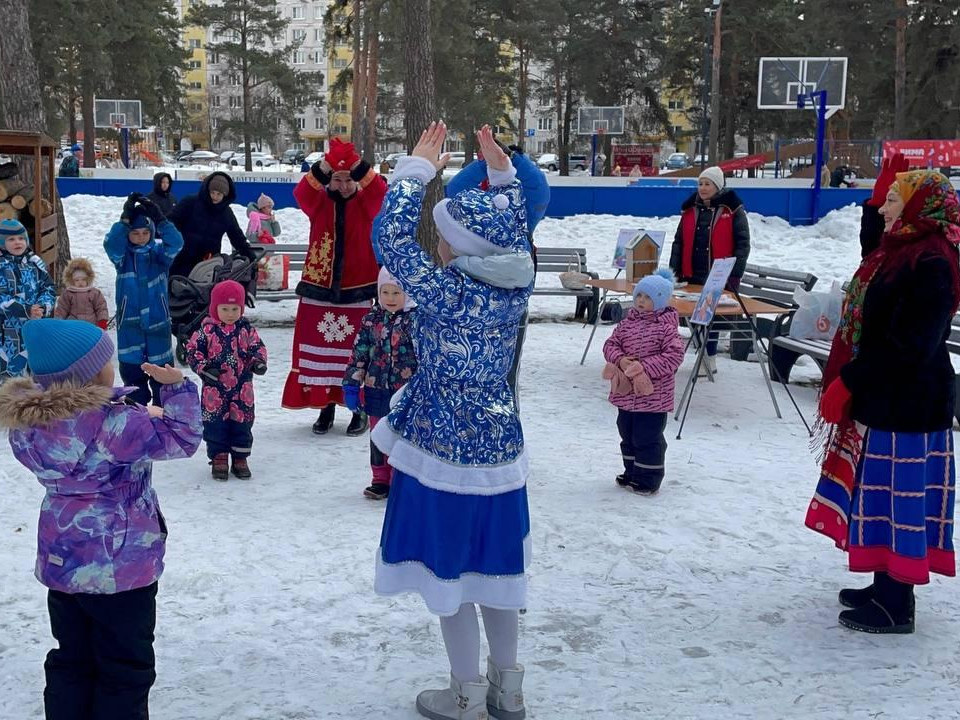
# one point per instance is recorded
(818, 314)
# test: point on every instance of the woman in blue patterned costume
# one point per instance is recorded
(456, 528)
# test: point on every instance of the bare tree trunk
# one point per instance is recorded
(730, 121)
(358, 88)
(558, 101)
(567, 120)
(89, 126)
(715, 85)
(20, 101)
(419, 102)
(524, 59)
(373, 78)
(900, 72)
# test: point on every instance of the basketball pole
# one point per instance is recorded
(125, 146)
(593, 155)
(820, 98)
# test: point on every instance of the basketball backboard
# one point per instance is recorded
(783, 79)
(598, 120)
(117, 113)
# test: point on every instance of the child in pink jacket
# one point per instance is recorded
(643, 356)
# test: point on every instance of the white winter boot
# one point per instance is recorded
(505, 696)
(461, 701)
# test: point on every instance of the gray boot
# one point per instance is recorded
(461, 701)
(505, 696)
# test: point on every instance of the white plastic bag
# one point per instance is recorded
(818, 313)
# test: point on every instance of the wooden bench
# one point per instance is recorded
(772, 285)
(558, 260)
(549, 260)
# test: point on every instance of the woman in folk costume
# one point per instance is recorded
(886, 491)
(456, 528)
(341, 195)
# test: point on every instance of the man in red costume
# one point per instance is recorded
(341, 195)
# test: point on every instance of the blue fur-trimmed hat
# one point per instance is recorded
(478, 223)
(657, 286)
(139, 220)
(61, 350)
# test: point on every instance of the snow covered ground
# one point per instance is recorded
(708, 601)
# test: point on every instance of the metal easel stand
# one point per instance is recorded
(758, 345)
(596, 320)
(701, 333)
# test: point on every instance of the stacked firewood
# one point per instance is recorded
(17, 198)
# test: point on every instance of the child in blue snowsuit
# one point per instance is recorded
(142, 246)
(26, 293)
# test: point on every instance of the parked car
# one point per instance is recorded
(314, 157)
(181, 154)
(226, 155)
(257, 159)
(456, 160)
(200, 156)
(293, 157)
(551, 161)
(392, 158)
(678, 161)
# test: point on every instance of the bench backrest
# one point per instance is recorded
(296, 251)
(558, 260)
(774, 284)
(953, 342)
(549, 259)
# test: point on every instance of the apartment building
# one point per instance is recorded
(197, 125)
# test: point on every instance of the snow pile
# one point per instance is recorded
(708, 601)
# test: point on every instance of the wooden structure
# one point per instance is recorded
(39, 150)
(643, 254)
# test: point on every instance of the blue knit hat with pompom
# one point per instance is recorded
(658, 287)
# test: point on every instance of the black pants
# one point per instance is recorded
(133, 375)
(643, 446)
(228, 436)
(515, 365)
(104, 667)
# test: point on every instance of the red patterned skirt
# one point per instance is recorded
(322, 345)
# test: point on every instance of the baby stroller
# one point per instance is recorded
(190, 296)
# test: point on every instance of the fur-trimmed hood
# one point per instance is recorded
(726, 198)
(81, 264)
(24, 404)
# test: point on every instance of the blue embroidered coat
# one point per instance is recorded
(454, 426)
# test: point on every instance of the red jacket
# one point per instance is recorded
(729, 237)
(340, 267)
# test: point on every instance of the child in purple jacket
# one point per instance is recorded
(643, 356)
(101, 535)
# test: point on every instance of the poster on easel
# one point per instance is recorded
(712, 294)
(629, 237)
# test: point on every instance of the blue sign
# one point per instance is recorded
(531, 132)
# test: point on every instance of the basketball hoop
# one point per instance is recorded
(117, 126)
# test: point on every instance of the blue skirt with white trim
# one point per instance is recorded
(454, 548)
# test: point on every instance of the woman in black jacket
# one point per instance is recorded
(886, 491)
(713, 225)
(203, 219)
(162, 194)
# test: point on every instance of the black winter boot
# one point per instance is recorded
(325, 421)
(358, 424)
(623, 481)
(858, 597)
(890, 611)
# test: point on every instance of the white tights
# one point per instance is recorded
(461, 635)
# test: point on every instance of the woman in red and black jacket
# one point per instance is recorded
(713, 225)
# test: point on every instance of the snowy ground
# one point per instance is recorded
(708, 601)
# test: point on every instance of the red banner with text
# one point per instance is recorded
(925, 153)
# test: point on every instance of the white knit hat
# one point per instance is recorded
(714, 175)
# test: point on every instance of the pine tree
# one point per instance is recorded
(21, 106)
(248, 36)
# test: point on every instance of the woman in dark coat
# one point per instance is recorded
(713, 225)
(886, 491)
(162, 194)
(203, 219)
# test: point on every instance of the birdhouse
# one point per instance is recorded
(642, 257)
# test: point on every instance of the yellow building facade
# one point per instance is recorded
(197, 125)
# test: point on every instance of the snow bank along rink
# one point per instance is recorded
(710, 600)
